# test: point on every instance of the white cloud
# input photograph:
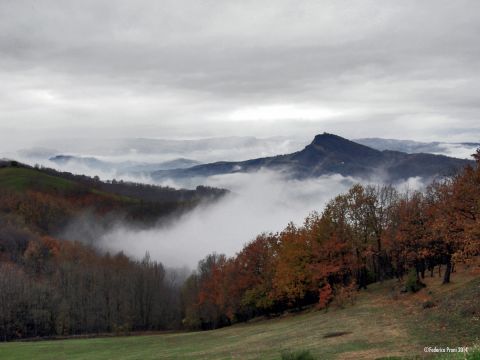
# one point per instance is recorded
(282, 112)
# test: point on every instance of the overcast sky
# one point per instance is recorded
(398, 69)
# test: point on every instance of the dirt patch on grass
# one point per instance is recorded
(336, 334)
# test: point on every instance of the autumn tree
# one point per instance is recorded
(456, 203)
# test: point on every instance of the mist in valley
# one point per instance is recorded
(259, 202)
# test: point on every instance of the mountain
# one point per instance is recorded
(463, 150)
(180, 163)
(123, 167)
(85, 161)
(332, 154)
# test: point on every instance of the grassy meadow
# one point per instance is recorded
(383, 323)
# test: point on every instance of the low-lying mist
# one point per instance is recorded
(259, 202)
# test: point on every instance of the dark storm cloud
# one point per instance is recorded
(409, 66)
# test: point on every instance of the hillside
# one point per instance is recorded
(368, 329)
(332, 154)
(47, 200)
(21, 177)
(57, 278)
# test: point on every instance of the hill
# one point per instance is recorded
(22, 177)
(332, 154)
(55, 275)
(42, 189)
(368, 329)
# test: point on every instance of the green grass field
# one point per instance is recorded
(23, 179)
(20, 179)
(382, 324)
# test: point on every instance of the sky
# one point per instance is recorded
(188, 69)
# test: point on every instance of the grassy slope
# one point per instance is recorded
(382, 323)
(20, 179)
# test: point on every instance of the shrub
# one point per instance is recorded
(297, 355)
(325, 296)
(345, 295)
(413, 284)
(428, 304)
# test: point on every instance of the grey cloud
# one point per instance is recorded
(174, 64)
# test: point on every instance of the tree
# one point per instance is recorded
(255, 270)
(292, 283)
(457, 213)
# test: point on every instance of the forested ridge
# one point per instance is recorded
(51, 286)
(139, 191)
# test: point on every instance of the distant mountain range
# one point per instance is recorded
(202, 149)
(410, 146)
(123, 167)
(332, 154)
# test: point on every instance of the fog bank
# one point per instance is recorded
(259, 202)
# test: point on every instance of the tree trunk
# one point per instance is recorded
(448, 270)
(422, 269)
(362, 278)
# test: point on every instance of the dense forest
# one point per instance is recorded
(53, 287)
